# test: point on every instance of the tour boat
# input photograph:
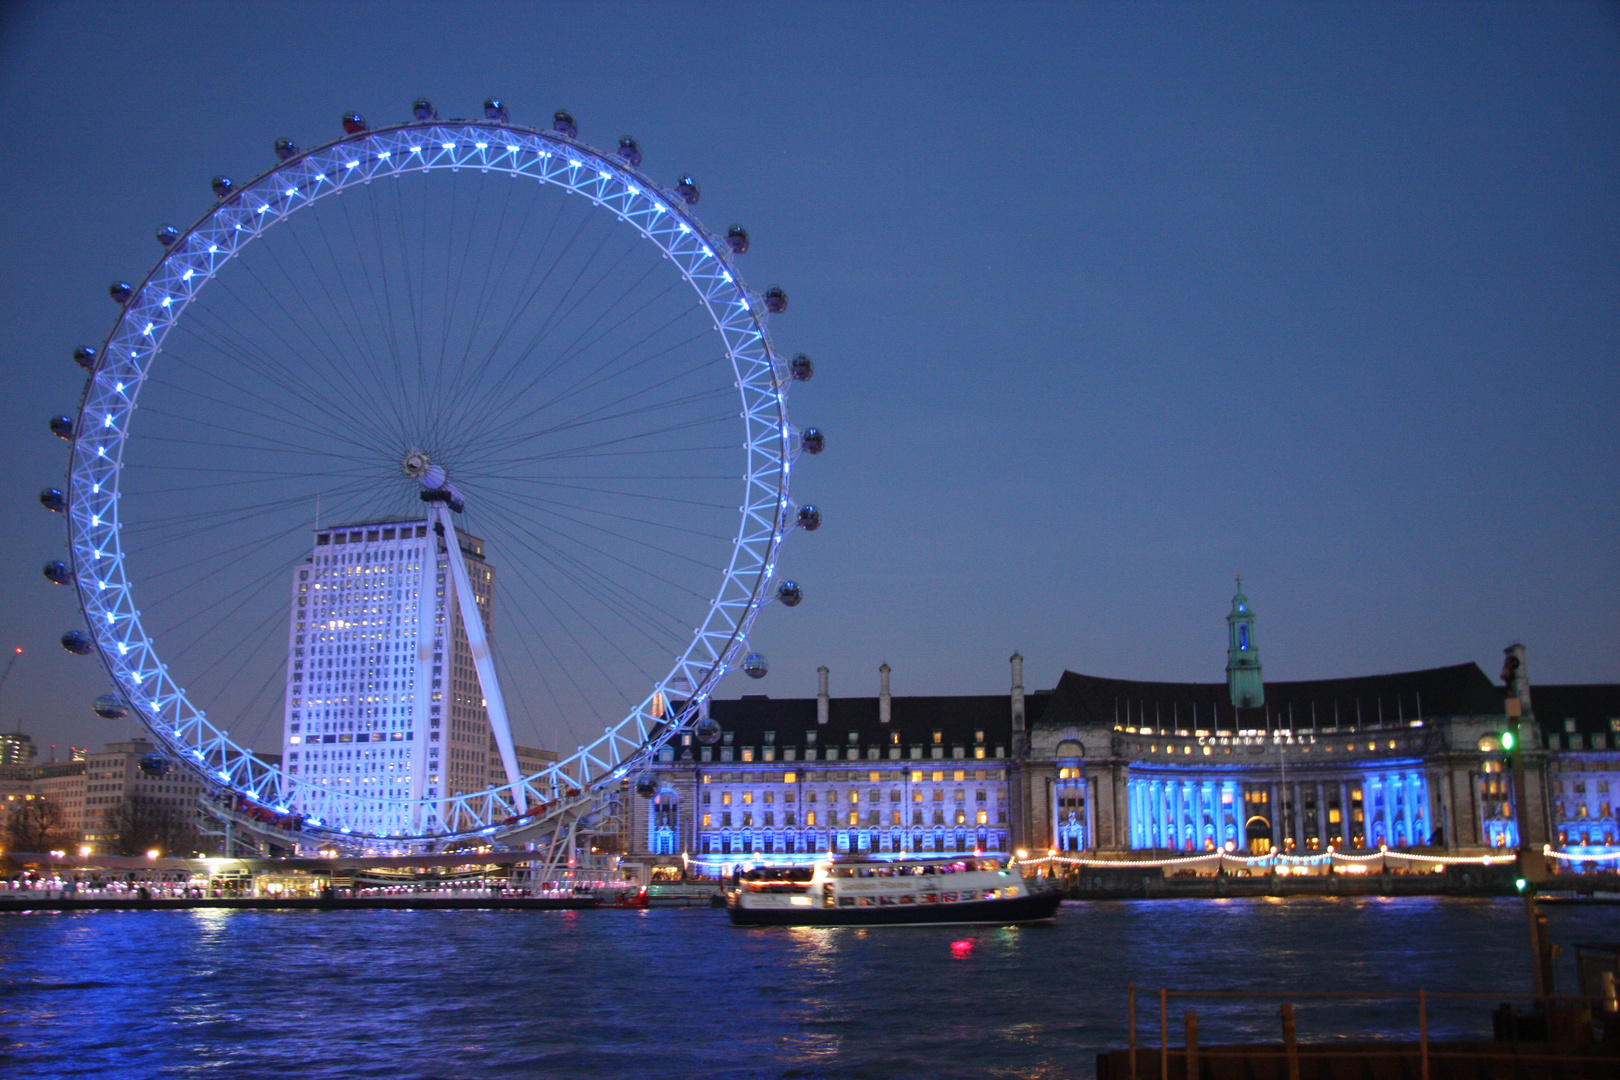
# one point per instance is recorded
(871, 892)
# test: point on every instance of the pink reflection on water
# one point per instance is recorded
(961, 950)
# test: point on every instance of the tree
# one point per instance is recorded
(35, 825)
(142, 824)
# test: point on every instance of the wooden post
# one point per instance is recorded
(1164, 1035)
(1290, 1047)
(1192, 1045)
(1131, 1023)
(1423, 1034)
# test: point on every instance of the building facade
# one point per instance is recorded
(1415, 761)
(376, 704)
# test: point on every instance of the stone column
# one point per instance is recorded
(1344, 815)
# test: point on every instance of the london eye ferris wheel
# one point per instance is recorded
(439, 415)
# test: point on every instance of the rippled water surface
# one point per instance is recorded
(248, 994)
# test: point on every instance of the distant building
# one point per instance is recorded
(128, 774)
(17, 749)
(530, 761)
(372, 707)
(1411, 760)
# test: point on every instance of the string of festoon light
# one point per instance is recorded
(1280, 859)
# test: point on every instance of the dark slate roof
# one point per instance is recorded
(1592, 706)
(1459, 690)
(916, 718)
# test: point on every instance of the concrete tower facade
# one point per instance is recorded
(372, 707)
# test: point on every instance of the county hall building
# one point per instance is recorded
(1412, 760)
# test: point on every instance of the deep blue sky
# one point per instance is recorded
(1107, 302)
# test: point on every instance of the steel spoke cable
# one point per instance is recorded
(637, 601)
(334, 364)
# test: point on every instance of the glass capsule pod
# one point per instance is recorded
(78, 643)
(423, 109)
(222, 185)
(285, 149)
(646, 785)
(563, 124)
(495, 109)
(354, 123)
(154, 765)
(167, 235)
(801, 368)
(109, 707)
(53, 500)
(120, 291)
(789, 593)
(630, 150)
(62, 427)
(85, 357)
(58, 573)
(809, 518)
(775, 300)
(755, 666)
(706, 731)
(737, 239)
(812, 441)
(687, 188)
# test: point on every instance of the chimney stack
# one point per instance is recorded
(821, 696)
(1017, 692)
(883, 694)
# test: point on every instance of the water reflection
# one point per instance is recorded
(682, 993)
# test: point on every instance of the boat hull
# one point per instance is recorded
(1033, 908)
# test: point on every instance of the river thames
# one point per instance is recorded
(677, 993)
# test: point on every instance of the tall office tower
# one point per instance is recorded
(372, 707)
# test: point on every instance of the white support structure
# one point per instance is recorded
(473, 624)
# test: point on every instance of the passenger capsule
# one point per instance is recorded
(707, 731)
(812, 441)
(755, 665)
(775, 300)
(78, 643)
(53, 500)
(646, 785)
(630, 150)
(423, 109)
(154, 765)
(58, 573)
(286, 149)
(62, 427)
(801, 367)
(109, 707)
(121, 291)
(495, 109)
(223, 186)
(354, 123)
(789, 593)
(809, 518)
(563, 124)
(85, 357)
(167, 235)
(687, 188)
(737, 239)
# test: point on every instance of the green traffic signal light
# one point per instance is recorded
(1520, 883)
(1507, 740)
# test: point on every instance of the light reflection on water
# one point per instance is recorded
(682, 993)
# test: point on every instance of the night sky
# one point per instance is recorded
(1107, 302)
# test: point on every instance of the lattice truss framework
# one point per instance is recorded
(108, 597)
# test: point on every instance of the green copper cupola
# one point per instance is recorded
(1243, 655)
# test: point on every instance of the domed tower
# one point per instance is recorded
(1243, 655)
